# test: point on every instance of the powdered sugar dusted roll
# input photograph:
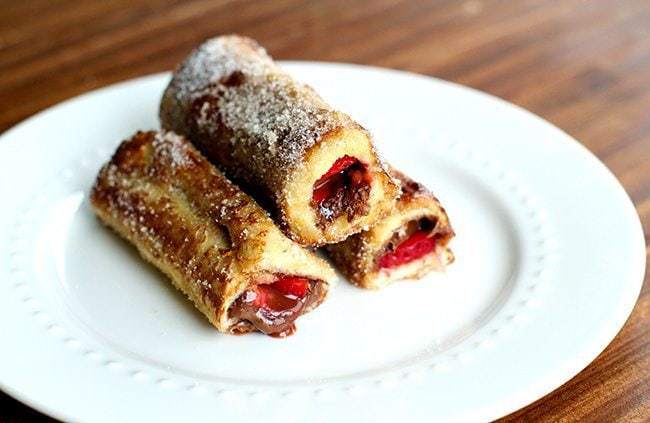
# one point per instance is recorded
(409, 243)
(212, 240)
(313, 167)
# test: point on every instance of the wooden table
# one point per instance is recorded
(583, 65)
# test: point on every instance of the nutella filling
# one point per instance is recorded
(273, 308)
(409, 243)
(343, 190)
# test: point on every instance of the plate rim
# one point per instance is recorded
(544, 387)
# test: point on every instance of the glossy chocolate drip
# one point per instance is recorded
(278, 316)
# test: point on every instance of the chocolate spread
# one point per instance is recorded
(279, 320)
(348, 193)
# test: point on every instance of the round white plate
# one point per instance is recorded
(549, 262)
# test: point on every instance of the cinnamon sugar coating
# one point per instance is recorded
(185, 217)
(264, 120)
(254, 121)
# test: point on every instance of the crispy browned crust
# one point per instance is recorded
(357, 256)
(186, 218)
(258, 125)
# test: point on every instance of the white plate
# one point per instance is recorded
(550, 258)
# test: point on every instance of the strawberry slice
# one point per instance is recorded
(324, 187)
(323, 192)
(414, 247)
(269, 298)
(339, 166)
(292, 285)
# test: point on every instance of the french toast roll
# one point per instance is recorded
(314, 168)
(212, 240)
(407, 244)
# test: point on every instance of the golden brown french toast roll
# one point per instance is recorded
(312, 166)
(213, 241)
(412, 241)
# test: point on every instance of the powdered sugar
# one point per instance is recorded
(171, 148)
(217, 58)
(279, 116)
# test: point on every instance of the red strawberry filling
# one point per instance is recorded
(272, 308)
(417, 245)
(343, 189)
(326, 185)
(292, 285)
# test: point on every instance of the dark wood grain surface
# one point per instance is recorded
(583, 65)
